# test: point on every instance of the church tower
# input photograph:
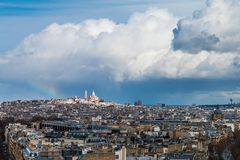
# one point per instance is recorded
(93, 94)
(85, 94)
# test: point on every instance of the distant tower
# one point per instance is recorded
(85, 95)
(231, 100)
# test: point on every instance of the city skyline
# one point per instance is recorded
(157, 51)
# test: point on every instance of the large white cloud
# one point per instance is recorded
(214, 28)
(138, 49)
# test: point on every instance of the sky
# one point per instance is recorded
(158, 51)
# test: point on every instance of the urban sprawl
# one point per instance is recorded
(90, 128)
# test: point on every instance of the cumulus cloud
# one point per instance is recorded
(214, 28)
(139, 49)
(74, 51)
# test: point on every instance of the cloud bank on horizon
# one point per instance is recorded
(152, 44)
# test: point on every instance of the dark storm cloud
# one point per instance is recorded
(214, 28)
(193, 43)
